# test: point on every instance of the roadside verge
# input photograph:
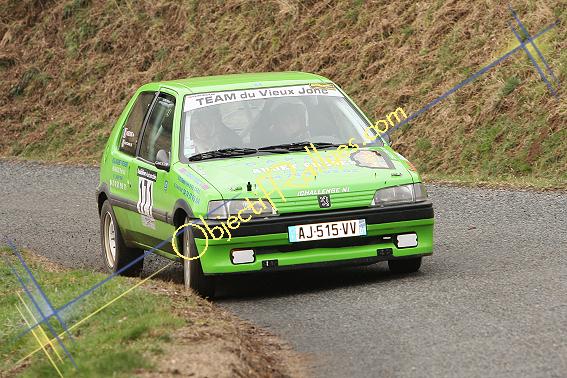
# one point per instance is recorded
(156, 329)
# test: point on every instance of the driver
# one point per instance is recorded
(208, 133)
(289, 125)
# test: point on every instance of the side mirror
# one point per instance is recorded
(162, 160)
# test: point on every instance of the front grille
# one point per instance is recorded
(310, 203)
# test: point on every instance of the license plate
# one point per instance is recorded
(327, 230)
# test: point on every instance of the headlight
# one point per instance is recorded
(420, 194)
(224, 209)
(397, 195)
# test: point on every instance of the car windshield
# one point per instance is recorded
(270, 119)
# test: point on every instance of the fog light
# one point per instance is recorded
(406, 240)
(242, 256)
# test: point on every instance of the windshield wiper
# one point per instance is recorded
(223, 152)
(298, 146)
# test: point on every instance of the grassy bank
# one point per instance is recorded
(68, 68)
(117, 340)
(524, 182)
(156, 328)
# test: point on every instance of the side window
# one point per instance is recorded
(133, 124)
(157, 134)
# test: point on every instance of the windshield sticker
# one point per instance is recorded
(201, 100)
(372, 159)
(127, 137)
(323, 86)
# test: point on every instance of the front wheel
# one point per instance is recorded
(115, 253)
(193, 275)
(405, 265)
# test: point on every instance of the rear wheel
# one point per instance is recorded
(193, 275)
(405, 265)
(116, 254)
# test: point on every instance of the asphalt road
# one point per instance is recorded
(492, 301)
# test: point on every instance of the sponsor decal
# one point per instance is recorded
(119, 170)
(316, 192)
(119, 162)
(201, 100)
(146, 180)
(146, 173)
(127, 138)
(187, 194)
(148, 222)
(190, 186)
(126, 143)
(195, 178)
(372, 159)
(127, 133)
(118, 185)
(266, 169)
(165, 185)
(118, 180)
(337, 166)
(327, 86)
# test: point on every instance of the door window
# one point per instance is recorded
(133, 124)
(157, 134)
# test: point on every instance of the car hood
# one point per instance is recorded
(295, 180)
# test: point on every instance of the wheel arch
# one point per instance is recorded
(101, 197)
(181, 210)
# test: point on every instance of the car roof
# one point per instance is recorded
(241, 81)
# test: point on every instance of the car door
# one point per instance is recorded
(124, 157)
(150, 182)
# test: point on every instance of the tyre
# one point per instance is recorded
(116, 254)
(405, 265)
(193, 275)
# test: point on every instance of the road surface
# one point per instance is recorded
(492, 301)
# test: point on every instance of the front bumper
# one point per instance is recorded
(269, 239)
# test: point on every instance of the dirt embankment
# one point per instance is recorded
(217, 344)
(68, 68)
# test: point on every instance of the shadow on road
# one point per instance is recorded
(280, 284)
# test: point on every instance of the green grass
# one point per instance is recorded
(503, 181)
(509, 86)
(115, 342)
(353, 12)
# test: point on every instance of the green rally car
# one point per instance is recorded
(253, 173)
